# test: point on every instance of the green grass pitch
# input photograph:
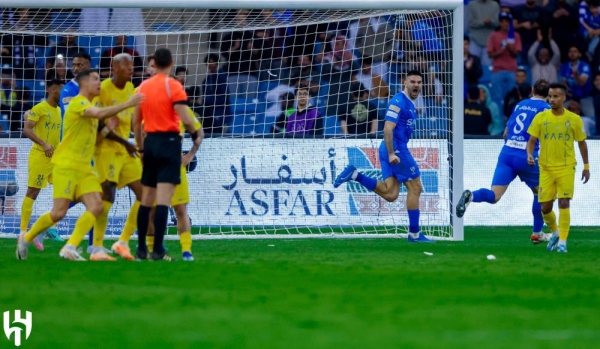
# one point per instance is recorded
(317, 293)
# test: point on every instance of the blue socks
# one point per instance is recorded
(484, 195)
(368, 182)
(413, 221)
(538, 219)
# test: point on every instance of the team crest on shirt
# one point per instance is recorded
(567, 124)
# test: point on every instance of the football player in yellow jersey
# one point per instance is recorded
(180, 199)
(73, 176)
(43, 128)
(114, 163)
(557, 129)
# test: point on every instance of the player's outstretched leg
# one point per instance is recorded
(347, 175)
(26, 211)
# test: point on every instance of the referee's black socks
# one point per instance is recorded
(160, 226)
(143, 220)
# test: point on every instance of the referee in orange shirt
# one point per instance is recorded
(160, 149)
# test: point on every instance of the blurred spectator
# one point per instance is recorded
(512, 4)
(18, 50)
(215, 111)
(274, 94)
(426, 40)
(375, 38)
(236, 46)
(543, 63)
(589, 19)
(374, 83)
(66, 48)
(150, 68)
(576, 75)
(13, 113)
(8, 88)
(521, 91)
(341, 55)
(121, 47)
(596, 101)
(129, 20)
(496, 127)
(59, 71)
(432, 86)
(504, 46)
(193, 92)
(267, 46)
(562, 18)
(589, 122)
(477, 116)
(358, 117)
(513, 96)
(303, 66)
(338, 67)
(472, 65)
(483, 18)
(527, 20)
(287, 109)
(304, 37)
(305, 120)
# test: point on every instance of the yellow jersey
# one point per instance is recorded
(557, 135)
(79, 137)
(197, 123)
(48, 123)
(111, 95)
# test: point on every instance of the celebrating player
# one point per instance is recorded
(160, 149)
(397, 164)
(43, 128)
(73, 176)
(556, 130)
(512, 161)
(114, 163)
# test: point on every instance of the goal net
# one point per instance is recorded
(287, 97)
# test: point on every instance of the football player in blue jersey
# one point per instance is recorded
(397, 164)
(512, 161)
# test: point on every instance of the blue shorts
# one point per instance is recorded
(510, 166)
(405, 171)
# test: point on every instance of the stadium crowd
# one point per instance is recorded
(350, 68)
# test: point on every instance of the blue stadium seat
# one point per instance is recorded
(166, 27)
(65, 20)
(435, 122)
(331, 125)
(242, 86)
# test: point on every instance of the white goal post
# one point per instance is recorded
(256, 177)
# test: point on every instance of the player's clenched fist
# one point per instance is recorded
(530, 160)
(394, 159)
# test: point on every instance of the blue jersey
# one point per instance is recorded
(70, 90)
(402, 111)
(520, 119)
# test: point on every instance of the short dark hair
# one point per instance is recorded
(84, 55)
(473, 92)
(180, 69)
(53, 82)
(558, 86)
(163, 58)
(302, 87)
(84, 75)
(466, 38)
(149, 58)
(357, 89)
(366, 60)
(7, 71)
(522, 71)
(212, 57)
(287, 96)
(541, 88)
(414, 73)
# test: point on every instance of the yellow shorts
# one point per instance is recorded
(556, 183)
(72, 184)
(118, 168)
(40, 170)
(182, 191)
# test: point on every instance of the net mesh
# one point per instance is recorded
(260, 171)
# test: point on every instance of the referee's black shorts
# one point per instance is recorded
(162, 159)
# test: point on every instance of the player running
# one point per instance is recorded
(73, 175)
(512, 161)
(43, 128)
(397, 164)
(557, 129)
(115, 162)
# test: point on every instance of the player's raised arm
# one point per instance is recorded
(585, 175)
(103, 113)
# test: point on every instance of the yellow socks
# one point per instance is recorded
(550, 220)
(150, 242)
(130, 223)
(101, 224)
(82, 227)
(185, 239)
(564, 222)
(40, 226)
(26, 211)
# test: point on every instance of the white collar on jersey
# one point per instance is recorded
(412, 100)
(75, 82)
